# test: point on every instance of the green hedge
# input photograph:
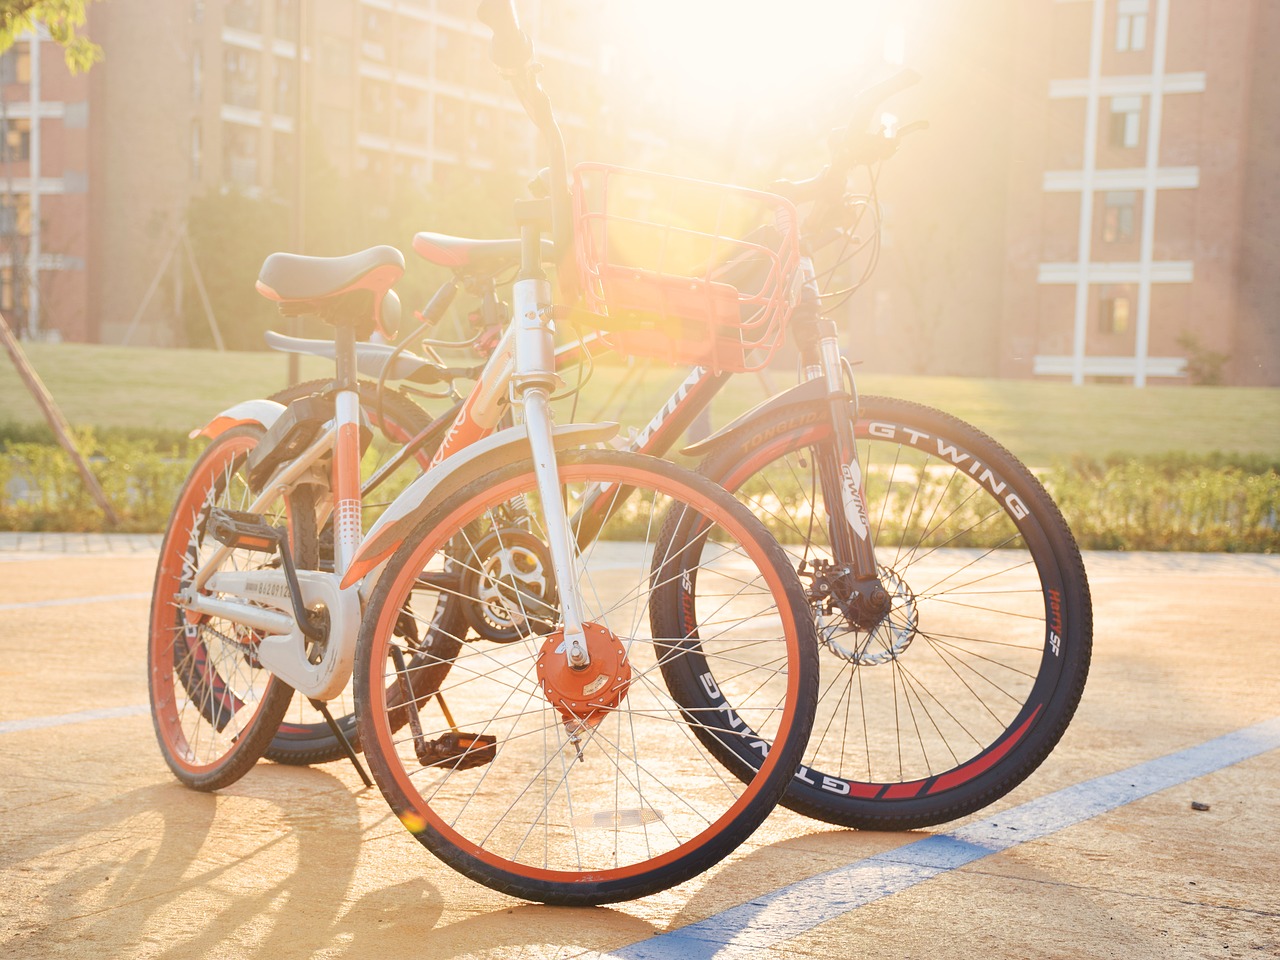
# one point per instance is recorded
(1168, 502)
(40, 488)
(1212, 503)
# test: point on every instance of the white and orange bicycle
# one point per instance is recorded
(563, 758)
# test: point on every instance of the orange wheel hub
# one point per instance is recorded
(590, 693)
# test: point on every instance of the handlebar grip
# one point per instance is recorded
(872, 97)
(511, 49)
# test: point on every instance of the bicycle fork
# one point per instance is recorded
(531, 386)
(853, 579)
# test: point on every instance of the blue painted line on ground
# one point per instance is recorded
(74, 601)
(81, 716)
(791, 911)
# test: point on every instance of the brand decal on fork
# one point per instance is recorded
(855, 510)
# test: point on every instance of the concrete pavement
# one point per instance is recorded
(103, 854)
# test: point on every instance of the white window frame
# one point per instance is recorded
(1131, 26)
(1131, 107)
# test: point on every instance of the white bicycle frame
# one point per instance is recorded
(522, 367)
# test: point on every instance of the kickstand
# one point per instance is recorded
(342, 739)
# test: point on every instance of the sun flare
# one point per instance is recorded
(758, 55)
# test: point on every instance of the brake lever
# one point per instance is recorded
(917, 126)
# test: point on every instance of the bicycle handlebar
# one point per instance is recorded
(512, 50)
(867, 101)
(851, 146)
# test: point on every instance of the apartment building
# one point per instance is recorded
(203, 95)
(1141, 186)
(44, 162)
(1094, 201)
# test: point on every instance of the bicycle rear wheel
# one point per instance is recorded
(594, 787)
(213, 705)
(956, 695)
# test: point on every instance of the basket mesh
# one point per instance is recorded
(684, 270)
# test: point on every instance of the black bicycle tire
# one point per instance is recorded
(782, 430)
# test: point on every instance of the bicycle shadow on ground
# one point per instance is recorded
(401, 921)
(176, 873)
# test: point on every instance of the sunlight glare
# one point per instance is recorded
(758, 54)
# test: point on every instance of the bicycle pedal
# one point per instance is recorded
(467, 749)
(243, 531)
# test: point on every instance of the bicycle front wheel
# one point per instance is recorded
(960, 691)
(591, 786)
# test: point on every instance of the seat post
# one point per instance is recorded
(344, 342)
(346, 460)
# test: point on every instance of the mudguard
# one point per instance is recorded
(262, 412)
(802, 393)
(430, 489)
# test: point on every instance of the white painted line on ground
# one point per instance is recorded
(105, 713)
(72, 601)
(767, 921)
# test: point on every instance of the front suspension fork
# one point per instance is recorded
(844, 496)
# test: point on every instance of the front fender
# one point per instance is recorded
(429, 490)
(261, 412)
(802, 393)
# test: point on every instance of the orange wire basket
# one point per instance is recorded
(684, 270)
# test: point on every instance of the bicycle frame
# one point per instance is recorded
(821, 364)
(283, 648)
(522, 367)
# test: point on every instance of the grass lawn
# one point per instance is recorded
(174, 390)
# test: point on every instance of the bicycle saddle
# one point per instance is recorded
(465, 255)
(289, 277)
(348, 290)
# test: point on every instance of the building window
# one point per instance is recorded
(1131, 25)
(375, 107)
(372, 163)
(244, 14)
(287, 20)
(451, 53)
(197, 74)
(15, 216)
(10, 297)
(17, 141)
(283, 157)
(335, 59)
(240, 155)
(1118, 215)
(412, 47)
(15, 63)
(447, 132)
(411, 117)
(286, 97)
(197, 150)
(240, 78)
(1114, 310)
(1126, 121)
(373, 45)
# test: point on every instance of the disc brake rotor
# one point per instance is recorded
(888, 639)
